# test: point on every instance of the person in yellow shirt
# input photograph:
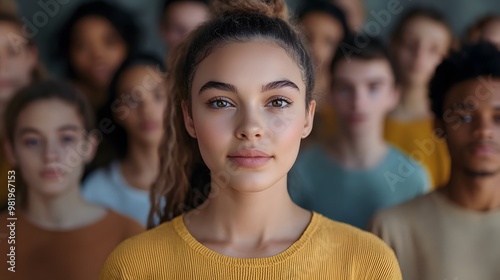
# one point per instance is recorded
(240, 104)
(420, 42)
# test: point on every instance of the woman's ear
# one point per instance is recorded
(188, 119)
(308, 125)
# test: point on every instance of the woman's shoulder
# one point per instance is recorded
(362, 252)
(349, 235)
(139, 255)
(353, 241)
(152, 241)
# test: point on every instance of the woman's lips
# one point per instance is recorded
(51, 174)
(250, 158)
(149, 126)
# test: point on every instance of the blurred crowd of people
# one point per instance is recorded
(397, 148)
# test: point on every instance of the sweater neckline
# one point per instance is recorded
(182, 231)
(444, 202)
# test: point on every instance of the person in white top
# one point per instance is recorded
(136, 105)
(454, 232)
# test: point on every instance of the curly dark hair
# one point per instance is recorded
(472, 61)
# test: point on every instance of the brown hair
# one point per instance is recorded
(38, 91)
(38, 72)
(184, 180)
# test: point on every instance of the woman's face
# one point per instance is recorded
(142, 92)
(50, 147)
(423, 45)
(248, 114)
(96, 51)
(17, 61)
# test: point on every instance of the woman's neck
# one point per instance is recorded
(141, 165)
(414, 104)
(65, 211)
(249, 221)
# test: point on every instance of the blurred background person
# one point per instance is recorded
(454, 232)
(93, 43)
(487, 29)
(179, 18)
(355, 13)
(19, 66)
(59, 234)
(357, 173)
(324, 26)
(136, 104)
(419, 43)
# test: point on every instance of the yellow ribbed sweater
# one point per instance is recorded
(326, 250)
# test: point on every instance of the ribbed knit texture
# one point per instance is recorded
(326, 250)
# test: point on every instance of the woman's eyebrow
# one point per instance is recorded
(279, 84)
(219, 86)
(233, 89)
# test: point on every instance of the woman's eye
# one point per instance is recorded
(219, 104)
(497, 119)
(68, 139)
(466, 118)
(31, 142)
(279, 103)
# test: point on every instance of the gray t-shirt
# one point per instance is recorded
(318, 183)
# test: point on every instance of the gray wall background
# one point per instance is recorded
(44, 23)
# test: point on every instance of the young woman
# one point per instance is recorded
(93, 43)
(19, 66)
(136, 105)
(57, 234)
(240, 105)
(419, 43)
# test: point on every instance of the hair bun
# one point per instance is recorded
(270, 8)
